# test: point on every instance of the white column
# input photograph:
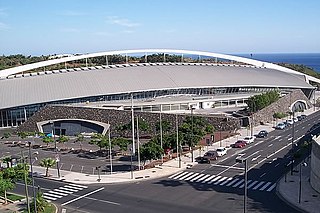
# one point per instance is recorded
(132, 123)
(138, 143)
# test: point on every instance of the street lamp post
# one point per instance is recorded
(32, 178)
(138, 143)
(244, 160)
(178, 145)
(55, 148)
(220, 129)
(300, 179)
(110, 152)
(292, 143)
(192, 134)
(161, 138)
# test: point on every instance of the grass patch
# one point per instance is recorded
(50, 209)
(13, 197)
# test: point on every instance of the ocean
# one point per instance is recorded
(311, 60)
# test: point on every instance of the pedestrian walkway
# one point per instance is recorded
(216, 180)
(289, 186)
(62, 191)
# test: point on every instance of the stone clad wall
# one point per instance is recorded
(282, 105)
(118, 118)
(315, 165)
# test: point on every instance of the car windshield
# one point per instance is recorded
(220, 150)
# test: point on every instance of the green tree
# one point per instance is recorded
(63, 139)
(47, 140)
(150, 151)
(7, 160)
(166, 126)
(47, 163)
(79, 139)
(6, 184)
(122, 143)
(6, 135)
(102, 141)
(42, 203)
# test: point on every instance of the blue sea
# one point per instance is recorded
(311, 60)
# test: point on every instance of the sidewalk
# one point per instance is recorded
(289, 190)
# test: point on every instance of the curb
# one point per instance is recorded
(278, 193)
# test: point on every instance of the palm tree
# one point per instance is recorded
(41, 202)
(5, 185)
(47, 163)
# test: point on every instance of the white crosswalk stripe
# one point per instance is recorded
(185, 176)
(271, 187)
(220, 180)
(238, 183)
(214, 179)
(265, 186)
(202, 178)
(257, 186)
(197, 178)
(226, 181)
(62, 191)
(192, 176)
(252, 184)
(232, 182)
(242, 186)
(209, 178)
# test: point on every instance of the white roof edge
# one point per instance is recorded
(23, 68)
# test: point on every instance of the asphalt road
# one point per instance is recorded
(204, 188)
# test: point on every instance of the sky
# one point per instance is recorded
(43, 27)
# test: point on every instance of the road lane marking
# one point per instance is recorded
(52, 195)
(82, 196)
(252, 184)
(180, 174)
(280, 139)
(227, 169)
(185, 176)
(224, 166)
(226, 181)
(255, 158)
(49, 198)
(289, 139)
(265, 186)
(73, 187)
(270, 145)
(63, 191)
(191, 176)
(232, 182)
(214, 179)
(253, 154)
(271, 187)
(257, 186)
(197, 177)
(206, 180)
(237, 184)
(72, 184)
(67, 189)
(58, 193)
(276, 165)
(263, 175)
(244, 184)
(202, 178)
(220, 180)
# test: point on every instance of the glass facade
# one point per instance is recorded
(15, 116)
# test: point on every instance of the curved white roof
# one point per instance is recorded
(15, 70)
(72, 83)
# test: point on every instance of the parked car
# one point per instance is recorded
(262, 134)
(299, 118)
(239, 144)
(295, 120)
(221, 151)
(208, 157)
(303, 116)
(289, 122)
(280, 126)
(249, 139)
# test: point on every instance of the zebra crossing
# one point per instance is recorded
(223, 181)
(62, 191)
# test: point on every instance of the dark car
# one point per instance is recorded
(262, 134)
(210, 156)
(303, 116)
(239, 144)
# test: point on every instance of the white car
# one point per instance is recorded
(249, 139)
(280, 126)
(290, 121)
(295, 120)
(221, 151)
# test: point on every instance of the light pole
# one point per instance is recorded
(300, 180)
(161, 138)
(220, 128)
(178, 145)
(110, 152)
(292, 143)
(192, 135)
(99, 178)
(55, 148)
(244, 160)
(32, 178)
(138, 143)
